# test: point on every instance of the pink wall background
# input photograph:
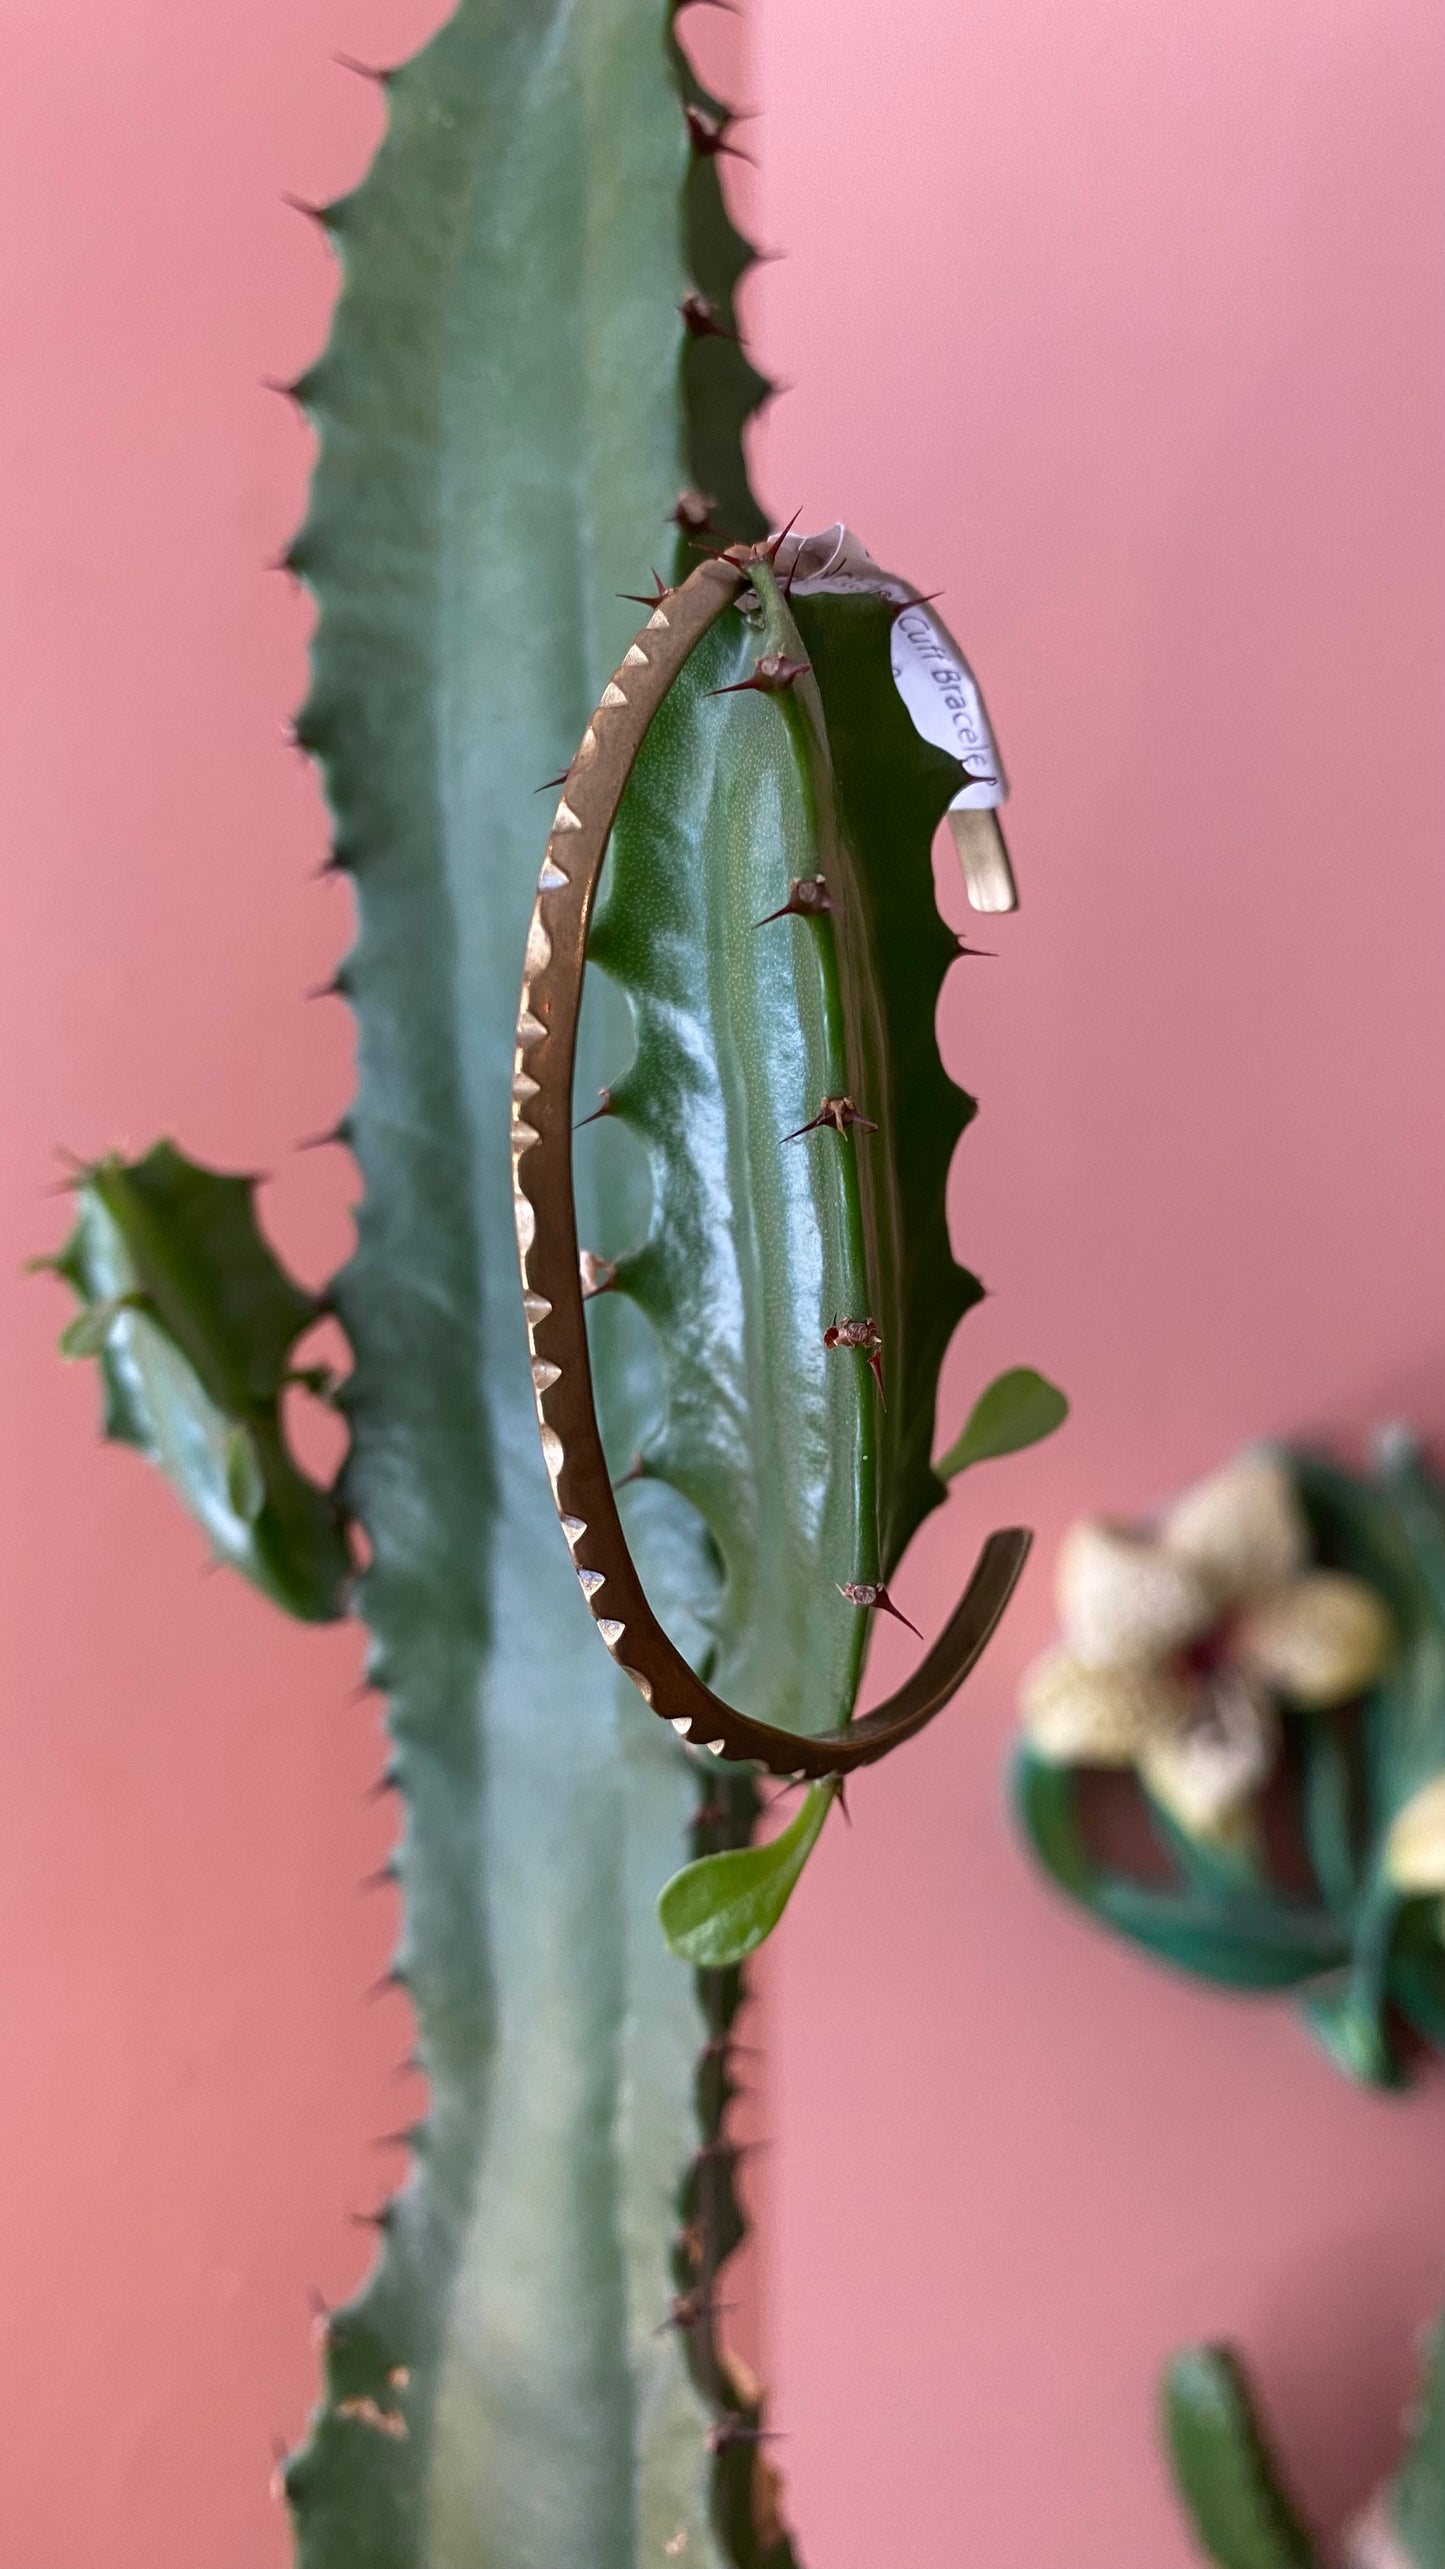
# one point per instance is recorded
(1123, 326)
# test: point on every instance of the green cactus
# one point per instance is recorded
(1235, 2496)
(1223, 2468)
(1362, 1950)
(531, 391)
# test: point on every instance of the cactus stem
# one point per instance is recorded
(808, 898)
(700, 316)
(837, 1114)
(603, 1107)
(866, 1592)
(773, 672)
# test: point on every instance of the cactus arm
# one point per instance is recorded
(503, 446)
(1237, 2503)
(893, 789)
(720, 388)
(193, 1323)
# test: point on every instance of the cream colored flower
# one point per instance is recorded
(1415, 1847)
(1174, 1644)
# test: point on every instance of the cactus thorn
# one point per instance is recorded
(693, 2310)
(597, 1274)
(985, 954)
(772, 545)
(866, 1336)
(550, 783)
(709, 135)
(773, 672)
(603, 1107)
(700, 316)
(808, 898)
(725, 2432)
(390, 1980)
(371, 2220)
(660, 590)
(838, 1113)
(395, 2140)
(363, 70)
(382, 1880)
(388, 1781)
(868, 1592)
(693, 512)
(901, 606)
(969, 778)
(637, 1470)
(321, 215)
(287, 392)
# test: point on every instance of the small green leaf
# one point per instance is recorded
(716, 1912)
(1223, 2468)
(245, 1480)
(1017, 1410)
(89, 1333)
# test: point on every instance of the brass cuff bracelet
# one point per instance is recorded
(552, 1292)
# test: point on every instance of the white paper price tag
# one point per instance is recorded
(941, 693)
